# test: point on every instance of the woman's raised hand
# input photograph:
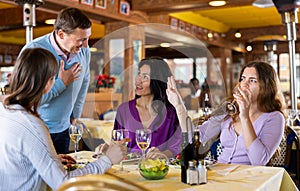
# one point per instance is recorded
(172, 92)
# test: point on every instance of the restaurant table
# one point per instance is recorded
(220, 177)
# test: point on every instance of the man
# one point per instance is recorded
(195, 93)
(195, 87)
(69, 44)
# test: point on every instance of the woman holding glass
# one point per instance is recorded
(28, 158)
(252, 135)
(151, 110)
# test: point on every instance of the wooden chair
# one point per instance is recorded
(103, 182)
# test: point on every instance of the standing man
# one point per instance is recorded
(69, 44)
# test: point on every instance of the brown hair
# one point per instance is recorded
(71, 18)
(33, 69)
(270, 97)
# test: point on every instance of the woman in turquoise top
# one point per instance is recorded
(151, 109)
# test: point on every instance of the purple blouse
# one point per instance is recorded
(166, 132)
(269, 128)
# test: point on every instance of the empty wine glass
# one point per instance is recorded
(291, 116)
(75, 132)
(227, 107)
(143, 139)
(119, 135)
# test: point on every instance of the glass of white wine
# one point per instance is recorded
(119, 135)
(75, 132)
(143, 139)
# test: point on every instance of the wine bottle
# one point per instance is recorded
(186, 155)
(206, 109)
(198, 154)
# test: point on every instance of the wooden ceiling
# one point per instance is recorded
(255, 24)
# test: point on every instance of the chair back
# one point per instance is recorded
(103, 182)
(289, 155)
(214, 151)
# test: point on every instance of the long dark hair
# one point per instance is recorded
(33, 69)
(160, 72)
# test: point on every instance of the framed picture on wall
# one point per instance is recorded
(174, 23)
(181, 26)
(124, 8)
(87, 2)
(194, 29)
(100, 4)
(7, 59)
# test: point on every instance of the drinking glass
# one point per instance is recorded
(117, 136)
(292, 115)
(227, 107)
(143, 139)
(75, 132)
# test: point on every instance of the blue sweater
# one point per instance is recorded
(62, 101)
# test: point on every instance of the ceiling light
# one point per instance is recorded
(237, 34)
(217, 3)
(93, 49)
(165, 45)
(249, 48)
(263, 3)
(50, 21)
(210, 35)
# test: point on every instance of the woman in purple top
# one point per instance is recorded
(151, 109)
(253, 134)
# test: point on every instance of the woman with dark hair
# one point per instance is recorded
(28, 158)
(151, 110)
(253, 134)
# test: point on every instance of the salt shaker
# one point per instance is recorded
(202, 171)
(192, 174)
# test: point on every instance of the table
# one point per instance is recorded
(221, 177)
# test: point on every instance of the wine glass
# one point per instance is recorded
(292, 115)
(143, 139)
(227, 107)
(119, 135)
(75, 132)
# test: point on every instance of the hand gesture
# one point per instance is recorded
(172, 92)
(69, 76)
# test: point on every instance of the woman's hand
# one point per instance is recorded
(153, 152)
(172, 92)
(116, 152)
(101, 148)
(66, 159)
(243, 98)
